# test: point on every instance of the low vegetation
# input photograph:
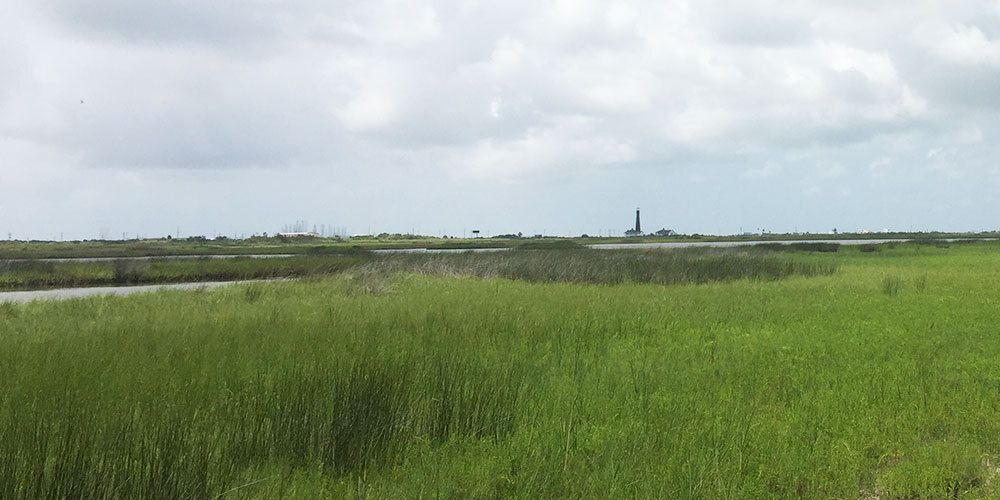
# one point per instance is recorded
(878, 380)
(606, 266)
(20, 275)
(811, 246)
(224, 246)
(565, 262)
(308, 245)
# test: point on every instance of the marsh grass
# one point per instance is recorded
(607, 267)
(549, 245)
(47, 274)
(252, 292)
(457, 387)
(811, 246)
(126, 272)
(180, 413)
(556, 264)
(892, 285)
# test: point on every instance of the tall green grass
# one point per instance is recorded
(608, 266)
(551, 265)
(810, 386)
(811, 246)
(182, 411)
(48, 274)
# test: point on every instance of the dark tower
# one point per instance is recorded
(638, 228)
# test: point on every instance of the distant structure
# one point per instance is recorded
(637, 230)
(298, 234)
(665, 232)
(301, 228)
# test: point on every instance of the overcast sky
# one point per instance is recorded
(561, 117)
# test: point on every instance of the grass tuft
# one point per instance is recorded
(892, 285)
(606, 267)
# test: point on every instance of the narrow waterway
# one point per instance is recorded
(76, 293)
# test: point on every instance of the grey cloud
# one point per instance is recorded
(453, 93)
(166, 21)
(766, 24)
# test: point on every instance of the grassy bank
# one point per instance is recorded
(574, 264)
(877, 381)
(30, 275)
(696, 265)
(250, 246)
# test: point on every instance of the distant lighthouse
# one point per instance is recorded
(637, 230)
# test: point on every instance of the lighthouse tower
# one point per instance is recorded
(637, 230)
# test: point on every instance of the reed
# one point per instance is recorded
(575, 384)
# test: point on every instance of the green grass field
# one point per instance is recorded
(249, 246)
(859, 374)
(564, 263)
(258, 245)
(40, 274)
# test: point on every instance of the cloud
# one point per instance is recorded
(514, 92)
(880, 165)
(771, 169)
(562, 146)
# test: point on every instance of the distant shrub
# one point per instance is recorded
(321, 250)
(929, 242)
(550, 245)
(337, 250)
(868, 248)
(37, 266)
(810, 246)
(604, 266)
(126, 271)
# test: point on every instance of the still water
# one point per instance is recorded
(76, 293)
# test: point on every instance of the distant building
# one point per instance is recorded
(665, 232)
(299, 235)
(637, 230)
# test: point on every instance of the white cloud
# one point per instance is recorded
(964, 44)
(880, 164)
(771, 169)
(832, 171)
(521, 92)
(566, 145)
(366, 111)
